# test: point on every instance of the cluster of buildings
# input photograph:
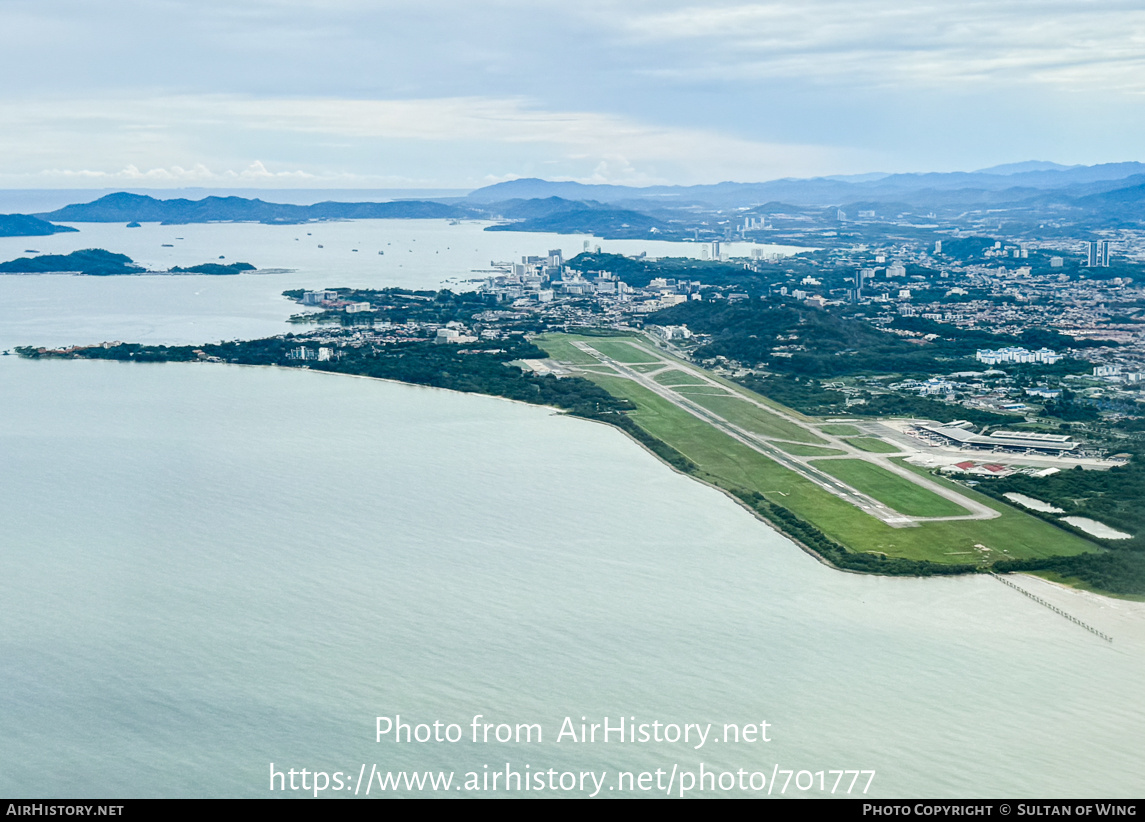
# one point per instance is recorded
(961, 434)
(1016, 354)
(540, 280)
(320, 354)
(1008, 287)
(332, 300)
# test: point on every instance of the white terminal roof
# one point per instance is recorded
(1027, 439)
(1031, 435)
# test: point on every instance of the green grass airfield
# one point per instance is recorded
(729, 464)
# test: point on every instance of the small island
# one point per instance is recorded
(98, 262)
(24, 225)
(212, 268)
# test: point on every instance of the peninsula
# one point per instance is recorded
(24, 225)
(897, 484)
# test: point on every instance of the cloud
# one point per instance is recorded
(445, 93)
(256, 172)
(1077, 46)
(392, 135)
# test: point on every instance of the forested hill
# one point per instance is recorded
(592, 218)
(123, 207)
(788, 337)
(25, 225)
(94, 261)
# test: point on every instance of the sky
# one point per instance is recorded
(444, 94)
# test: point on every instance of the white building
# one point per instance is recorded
(670, 332)
(1097, 254)
(318, 297)
(1016, 354)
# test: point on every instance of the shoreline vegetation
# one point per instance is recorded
(840, 538)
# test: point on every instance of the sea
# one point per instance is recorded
(215, 575)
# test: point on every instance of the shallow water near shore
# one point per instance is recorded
(213, 568)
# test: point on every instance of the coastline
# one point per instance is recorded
(726, 492)
(561, 412)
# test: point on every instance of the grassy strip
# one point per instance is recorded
(729, 464)
(697, 439)
(890, 489)
(838, 430)
(800, 450)
(701, 391)
(811, 537)
(619, 350)
(744, 391)
(874, 445)
(753, 418)
(560, 347)
(677, 377)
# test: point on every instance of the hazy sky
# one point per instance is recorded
(434, 93)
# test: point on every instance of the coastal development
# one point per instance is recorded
(888, 493)
(900, 393)
(748, 395)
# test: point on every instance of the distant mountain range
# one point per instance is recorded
(1002, 183)
(123, 207)
(1113, 194)
(1028, 165)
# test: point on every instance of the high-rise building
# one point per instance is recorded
(1097, 254)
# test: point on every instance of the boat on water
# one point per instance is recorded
(168, 245)
(321, 246)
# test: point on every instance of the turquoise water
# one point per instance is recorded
(212, 568)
